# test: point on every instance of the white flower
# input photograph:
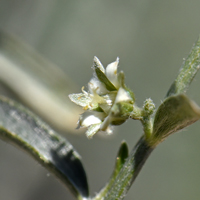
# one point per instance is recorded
(107, 102)
(111, 73)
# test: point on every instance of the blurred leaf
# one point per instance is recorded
(38, 83)
(187, 72)
(120, 160)
(174, 114)
(21, 127)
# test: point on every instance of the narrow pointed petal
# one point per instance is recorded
(123, 96)
(89, 118)
(93, 129)
(111, 73)
(97, 86)
(98, 64)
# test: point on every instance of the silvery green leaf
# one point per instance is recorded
(25, 130)
(174, 114)
(187, 72)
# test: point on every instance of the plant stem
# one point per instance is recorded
(130, 170)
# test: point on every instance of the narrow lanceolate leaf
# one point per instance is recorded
(27, 131)
(120, 160)
(187, 72)
(174, 114)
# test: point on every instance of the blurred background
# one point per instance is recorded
(151, 39)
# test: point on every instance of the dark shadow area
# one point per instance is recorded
(71, 167)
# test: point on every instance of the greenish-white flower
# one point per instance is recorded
(107, 102)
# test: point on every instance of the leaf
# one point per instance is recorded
(22, 128)
(128, 171)
(174, 114)
(120, 160)
(38, 83)
(187, 72)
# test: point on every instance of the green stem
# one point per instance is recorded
(130, 170)
(147, 127)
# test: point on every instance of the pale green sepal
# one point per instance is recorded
(174, 114)
(121, 80)
(120, 160)
(92, 130)
(103, 78)
(122, 110)
(81, 99)
(187, 72)
(97, 63)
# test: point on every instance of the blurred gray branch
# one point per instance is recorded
(37, 83)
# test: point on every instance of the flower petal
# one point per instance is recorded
(122, 96)
(97, 86)
(111, 73)
(98, 64)
(93, 129)
(89, 118)
(104, 79)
